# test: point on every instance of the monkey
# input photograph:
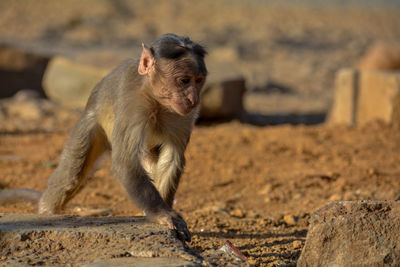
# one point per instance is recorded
(143, 112)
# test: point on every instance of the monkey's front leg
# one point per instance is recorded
(169, 168)
(142, 191)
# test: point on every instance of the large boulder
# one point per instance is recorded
(354, 233)
(70, 83)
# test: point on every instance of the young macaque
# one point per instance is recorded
(144, 112)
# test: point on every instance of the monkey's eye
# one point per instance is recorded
(199, 80)
(184, 81)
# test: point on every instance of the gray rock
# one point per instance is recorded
(70, 83)
(353, 233)
(60, 240)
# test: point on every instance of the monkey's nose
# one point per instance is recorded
(192, 100)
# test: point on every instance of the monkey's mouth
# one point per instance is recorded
(183, 108)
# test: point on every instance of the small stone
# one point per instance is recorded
(297, 244)
(266, 189)
(3, 258)
(29, 110)
(297, 196)
(252, 261)
(58, 247)
(267, 199)
(218, 208)
(290, 219)
(26, 95)
(253, 214)
(335, 197)
(237, 213)
(373, 172)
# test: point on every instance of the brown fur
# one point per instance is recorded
(144, 113)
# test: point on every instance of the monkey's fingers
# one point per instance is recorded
(174, 221)
(182, 230)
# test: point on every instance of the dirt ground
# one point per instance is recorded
(255, 186)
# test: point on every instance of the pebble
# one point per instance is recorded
(297, 244)
(214, 209)
(335, 197)
(253, 261)
(290, 219)
(266, 189)
(267, 199)
(237, 213)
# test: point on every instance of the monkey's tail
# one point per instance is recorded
(24, 194)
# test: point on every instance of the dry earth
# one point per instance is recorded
(254, 186)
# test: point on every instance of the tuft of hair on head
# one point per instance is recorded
(172, 46)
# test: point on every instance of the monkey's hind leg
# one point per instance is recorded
(85, 144)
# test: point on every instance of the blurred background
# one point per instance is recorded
(287, 51)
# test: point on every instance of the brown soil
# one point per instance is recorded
(254, 186)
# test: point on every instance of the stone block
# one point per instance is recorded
(353, 233)
(377, 96)
(344, 99)
(29, 239)
(70, 83)
(223, 99)
(364, 96)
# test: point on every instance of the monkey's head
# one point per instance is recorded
(176, 71)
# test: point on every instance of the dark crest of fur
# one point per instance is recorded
(172, 46)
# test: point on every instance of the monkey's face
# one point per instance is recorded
(186, 94)
(181, 86)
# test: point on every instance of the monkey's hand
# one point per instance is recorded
(174, 221)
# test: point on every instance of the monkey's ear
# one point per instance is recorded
(147, 61)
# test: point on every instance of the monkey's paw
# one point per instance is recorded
(174, 221)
